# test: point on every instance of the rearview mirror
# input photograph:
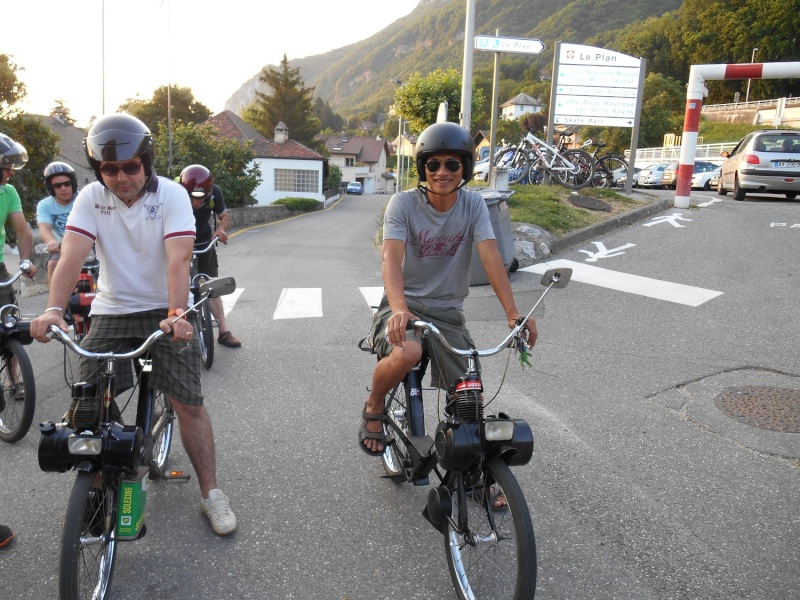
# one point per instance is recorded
(221, 286)
(557, 278)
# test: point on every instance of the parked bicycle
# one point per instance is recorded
(533, 157)
(610, 170)
(17, 384)
(113, 461)
(490, 547)
(204, 324)
(80, 302)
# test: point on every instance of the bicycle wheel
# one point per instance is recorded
(163, 425)
(578, 177)
(518, 168)
(535, 172)
(204, 325)
(610, 172)
(395, 455)
(88, 544)
(17, 391)
(495, 556)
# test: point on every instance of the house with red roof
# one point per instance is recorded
(361, 159)
(288, 168)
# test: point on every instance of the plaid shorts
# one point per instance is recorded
(175, 373)
(207, 263)
(445, 367)
(7, 295)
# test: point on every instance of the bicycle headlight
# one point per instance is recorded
(82, 444)
(496, 431)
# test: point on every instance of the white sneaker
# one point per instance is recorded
(219, 512)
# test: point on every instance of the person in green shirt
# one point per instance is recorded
(13, 157)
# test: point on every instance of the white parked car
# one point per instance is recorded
(481, 170)
(701, 180)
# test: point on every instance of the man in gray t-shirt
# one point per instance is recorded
(427, 252)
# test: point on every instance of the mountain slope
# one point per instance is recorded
(355, 79)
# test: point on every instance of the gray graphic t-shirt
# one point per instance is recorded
(436, 267)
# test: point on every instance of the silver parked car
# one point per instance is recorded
(763, 162)
(652, 175)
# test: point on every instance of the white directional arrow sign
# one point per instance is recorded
(506, 44)
(603, 252)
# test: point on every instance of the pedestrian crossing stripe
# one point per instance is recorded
(373, 296)
(632, 284)
(229, 301)
(299, 303)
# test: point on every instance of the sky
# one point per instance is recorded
(209, 46)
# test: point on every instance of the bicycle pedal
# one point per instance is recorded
(177, 475)
(422, 481)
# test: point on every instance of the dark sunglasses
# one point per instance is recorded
(451, 164)
(62, 184)
(128, 168)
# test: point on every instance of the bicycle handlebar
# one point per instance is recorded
(62, 336)
(208, 248)
(557, 278)
(24, 267)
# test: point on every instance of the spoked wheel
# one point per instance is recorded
(494, 557)
(17, 391)
(163, 422)
(610, 171)
(204, 325)
(88, 545)
(395, 456)
(582, 173)
(518, 169)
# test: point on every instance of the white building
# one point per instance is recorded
(288, 168)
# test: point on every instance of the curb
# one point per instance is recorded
(598, 229)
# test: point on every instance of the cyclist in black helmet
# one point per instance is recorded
(13, 157)
(144, 232)
(52, 212)
(428, 234)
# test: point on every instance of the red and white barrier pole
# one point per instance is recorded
(696, 91)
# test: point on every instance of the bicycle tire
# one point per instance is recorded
(88, 543)
(496, 557)
(161, 431)
(610, 171)
(17, 393)
(395, 456)
(518, 169)
(580, 178)
(204, 325)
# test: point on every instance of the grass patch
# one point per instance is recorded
(548, 207)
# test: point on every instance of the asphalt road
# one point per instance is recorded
(640, 487)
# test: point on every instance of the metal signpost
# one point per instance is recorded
(597, 87)
(502, 44)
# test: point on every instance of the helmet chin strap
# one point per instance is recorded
(426, 190)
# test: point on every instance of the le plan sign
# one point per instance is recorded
(594, 86)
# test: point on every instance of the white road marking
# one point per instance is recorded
(299, 303)
(632, 284)
(373, 296)
(709, 203)
(603, 252)
(229, 301)
(671, 219)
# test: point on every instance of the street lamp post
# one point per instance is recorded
(752, 60)
(399, 140)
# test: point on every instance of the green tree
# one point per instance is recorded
(290, 102)
(12, 90)
(153, 112)
(334, 177)
(230, 163)
(418, 99)
(328, 119)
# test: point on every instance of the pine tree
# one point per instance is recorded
(290, 102)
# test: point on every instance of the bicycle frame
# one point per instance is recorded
(461, 443)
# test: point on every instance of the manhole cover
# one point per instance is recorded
(773, 408)
(589, 202)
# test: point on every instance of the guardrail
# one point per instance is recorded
(706, 152)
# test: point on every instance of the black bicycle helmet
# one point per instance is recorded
(445, 137)
(14, 156)
(119, 137)
(197, 180)
(59, 168)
